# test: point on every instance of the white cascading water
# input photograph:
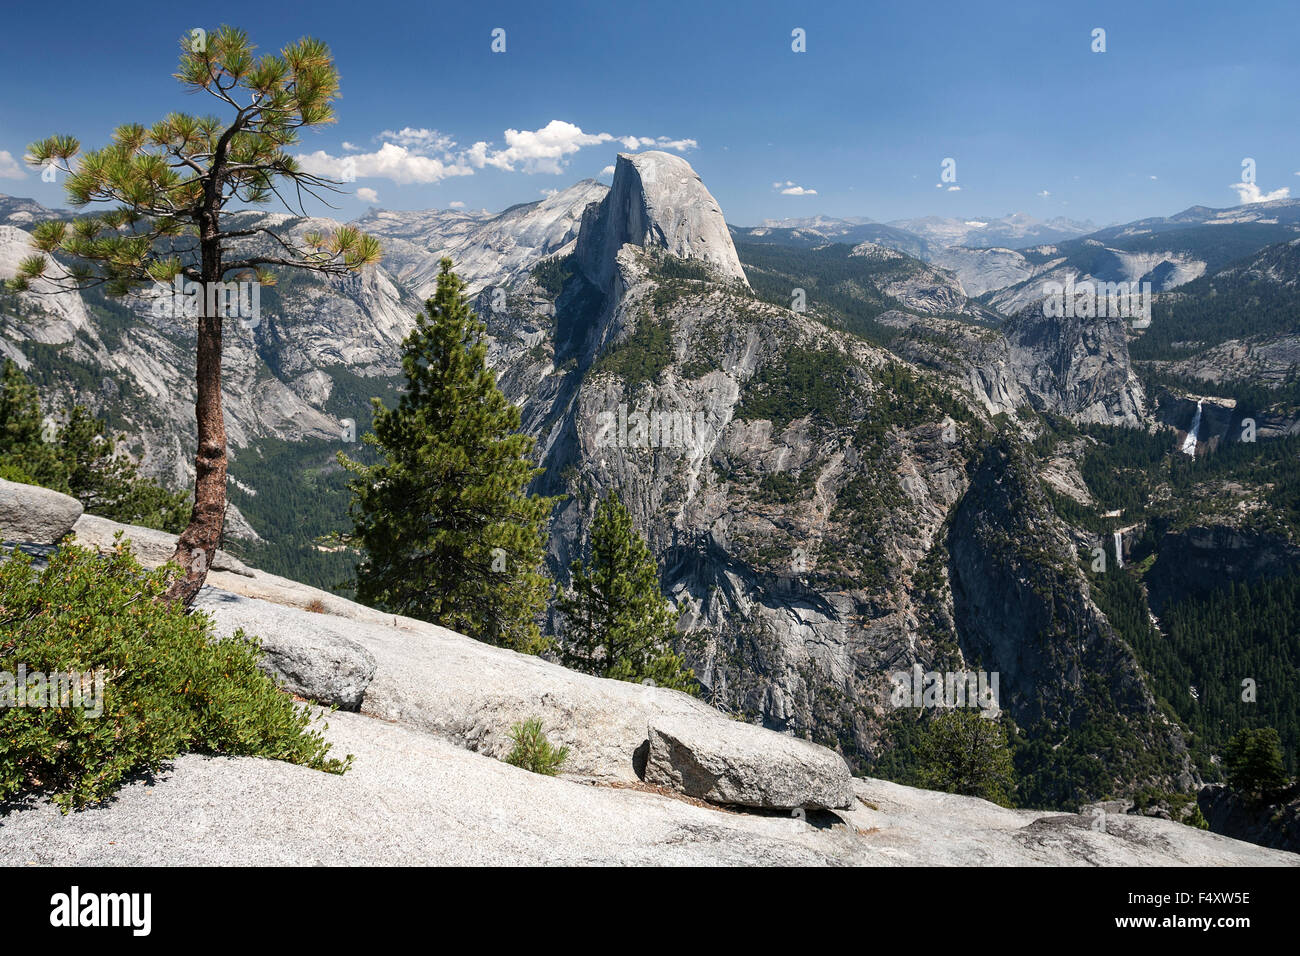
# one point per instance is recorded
(1189, 443)
(1119, 549)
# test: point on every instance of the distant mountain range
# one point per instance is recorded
(1013, 231)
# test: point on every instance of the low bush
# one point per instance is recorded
(168, 686)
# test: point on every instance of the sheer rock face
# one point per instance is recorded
(1198, 559)
(1025, 610)
(277, 366)
(656, 201)
(1075, 367)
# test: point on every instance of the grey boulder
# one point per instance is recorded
(744, 765)
(35, 515)
(311, 653)
(151, 548)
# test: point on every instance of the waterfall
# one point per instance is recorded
(1189, 443)
(1119, 549)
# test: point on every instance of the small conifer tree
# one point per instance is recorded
(618, 623)
(448, 530)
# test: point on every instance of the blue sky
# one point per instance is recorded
(858, 125)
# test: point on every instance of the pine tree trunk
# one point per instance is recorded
(198, 543)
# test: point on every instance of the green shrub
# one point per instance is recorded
(168, 685)
(532, 751)
(1196, 819)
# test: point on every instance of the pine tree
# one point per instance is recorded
(449, 533)
(1253, 759)
(109, 484)
(172, 182)
(961, 751)
(80, 460)
(618, 623)
(25, 456)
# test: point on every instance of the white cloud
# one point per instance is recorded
(396, 163)
(609, 171)
(422, 155)
(1153, 177)
(10, 168)
(658, 142)
(791, 188)
(1044, 194)
(1250, 193)
(536, 151)
(455, 204)
(548, 193)
(954, 189)
(366, 194)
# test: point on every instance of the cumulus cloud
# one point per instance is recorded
(455, 204)
(10, 168)
(954, 189)
(791, 188)
(1044, 194)
(609, 171)
(366, 194)
(1251, 193)
(396, 163)
(535, 151)
(423, 155)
